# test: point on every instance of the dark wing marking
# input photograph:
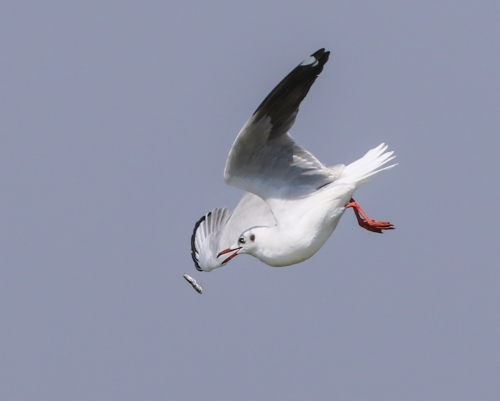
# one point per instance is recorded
(194, 251)
(282, 104)
(264, 159)
(205, 239)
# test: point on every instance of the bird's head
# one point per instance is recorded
(247, 243)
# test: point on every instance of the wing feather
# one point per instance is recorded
(219, 229)
(264, 159)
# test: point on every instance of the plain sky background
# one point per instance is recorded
(116, 119)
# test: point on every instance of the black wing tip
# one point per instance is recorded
(193, 238)
(316, 61)
(321, 54)
(284, 100)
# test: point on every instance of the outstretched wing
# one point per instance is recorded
(264, 159)
(205, 239)
(220, 229)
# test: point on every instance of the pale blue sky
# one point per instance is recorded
(116, 119)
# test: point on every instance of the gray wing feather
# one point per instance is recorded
(264, 159)
(277, 168)
(251, 211)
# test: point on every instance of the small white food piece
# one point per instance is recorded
(193, 282)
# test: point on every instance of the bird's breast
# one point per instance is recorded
(305, 227)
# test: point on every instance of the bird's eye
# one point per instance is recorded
(241, 240)
(252, 237)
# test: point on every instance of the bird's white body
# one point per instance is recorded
(293, 201)
(311, 222)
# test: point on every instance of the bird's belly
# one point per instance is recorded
(300, 250)
(306, 239)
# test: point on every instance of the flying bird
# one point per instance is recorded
(293, 202)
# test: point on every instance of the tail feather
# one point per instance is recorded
(370, 164)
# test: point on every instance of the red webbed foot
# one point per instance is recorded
(367, 223)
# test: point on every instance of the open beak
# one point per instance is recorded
(235, 250)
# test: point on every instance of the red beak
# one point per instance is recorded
(227, 251)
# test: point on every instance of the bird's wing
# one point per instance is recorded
(220, 229)
(264, 159)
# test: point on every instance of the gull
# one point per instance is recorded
(293, 202)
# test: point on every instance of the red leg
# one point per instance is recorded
(367, 223)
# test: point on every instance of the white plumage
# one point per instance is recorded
(293, 201)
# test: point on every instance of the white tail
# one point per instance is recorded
(362, 169)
